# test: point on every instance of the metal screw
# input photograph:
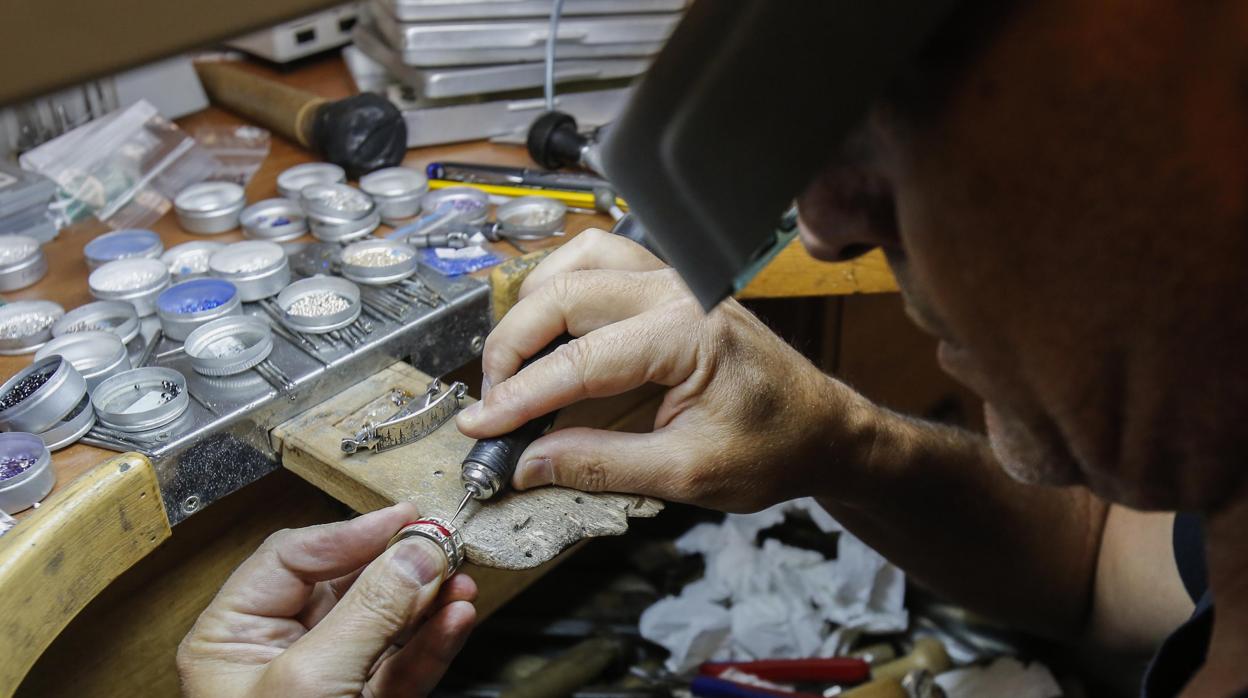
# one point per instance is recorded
(190, 505)
(477, 344)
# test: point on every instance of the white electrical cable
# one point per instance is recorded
(555, 11)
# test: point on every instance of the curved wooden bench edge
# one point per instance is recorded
(55, 561)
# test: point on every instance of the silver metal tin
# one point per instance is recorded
(29, 487)
(75, 424)
(292, 180)
(335, 201)
(137, 281)
(96, 355)
(190, 259)
(175, 305)
(122, 244)
(22, 262)
(397, 191)
(47, 404)
(276, 220)
(118, 317)
(131, 401)
(357, 266)
(531, 217)
(209, 208)
(229, 345)
(258, 268)
(339, 230)
(27, 325)
(473, 204)
(321, 323)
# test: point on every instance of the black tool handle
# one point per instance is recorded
(501, 454)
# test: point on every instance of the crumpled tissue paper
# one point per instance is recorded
(1005, 676)
(773, 601)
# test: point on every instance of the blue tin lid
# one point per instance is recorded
(195, 296)
(122, 244)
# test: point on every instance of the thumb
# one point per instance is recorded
(596, 460)
(392, 592)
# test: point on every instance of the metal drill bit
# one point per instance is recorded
(462, 504)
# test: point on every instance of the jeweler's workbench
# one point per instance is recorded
(105, 504)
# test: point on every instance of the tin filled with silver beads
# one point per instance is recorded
(338, 213)
(96, 355)
(122, 244)
(27, 325)
(26, 475)
(293, 179)
(209, 208)
(471, 205)
(22, 262)
(531, 217)
(276, 220)
(319, 304)
(185, 306)
(141, 399)
(40, 395)
(257, 268)
(190, 259)
(397, 192)
(136, 281)
(377, 262)
(118, 317)
(443, 534)
(73, 427)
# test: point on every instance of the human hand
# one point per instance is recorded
(329, 611)
(746, 419)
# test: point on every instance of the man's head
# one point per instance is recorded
(1067, 209)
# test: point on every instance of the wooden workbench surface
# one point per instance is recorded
(793, 273)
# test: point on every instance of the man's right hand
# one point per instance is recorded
(746, 422)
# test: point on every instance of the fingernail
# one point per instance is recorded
(534, 472)
(470, 412)
(485, 386)
(418, 559)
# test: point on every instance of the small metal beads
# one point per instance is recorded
(128, 282)
(245, 266)
(12, 251)
(378, 257)
(169, 390)
(318, 304)
(23, 389)
(25, 325)
(191, 262)
(12, 466)
(344, 200)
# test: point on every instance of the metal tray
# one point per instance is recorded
(442, 10)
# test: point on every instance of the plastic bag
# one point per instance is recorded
(124, 168)
(239, 151)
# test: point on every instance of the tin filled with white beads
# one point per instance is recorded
(96, 355)
(22, 262)
(122, 244)
(75, 424)
(338, 213)
(471, 205)
(397, 192)
(26, 475)
(118, 317)
(292, 180)
(27, 325)
(141, 399)
(532, 217)
(209, 208)
(40, 395)
(276, 220)
(319, 304)
(136, 281)
(377, 262)
(229, 345)
(185, 306)
(257, 268)
(190, 259)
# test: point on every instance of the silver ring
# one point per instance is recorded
(441, 532)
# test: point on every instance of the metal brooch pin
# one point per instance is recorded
(413, 422)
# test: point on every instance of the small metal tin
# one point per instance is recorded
(118, 317)
(22, 262)
(397, 191)
(141, 399)
(336, 202)
(229, 345)
(28, 465)
(276, 220)
(258, 268)
(443, 534)
(339, 230)
(190, 259)
(531, 217)
(96, 355)
(137, 281)
(122, 244)
(75, 424)
(473, 205)
(27, 325)
(185, 306)
(377, 262)
(307, 292)
(40, 395)
(209, 208)
(292, 180)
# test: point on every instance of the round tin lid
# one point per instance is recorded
(275, 220)
(73, 427)
(532, 217)
(247, 258)
(141, 399)
(18, 251)
(394, 183)
(123, 244)
(229, 345)
(339, 202)
(292, 180)
(88, 352)
(208, 199)
(472, 205)
(118, 317)
(190, 258)
(340, 230)
(27, 325)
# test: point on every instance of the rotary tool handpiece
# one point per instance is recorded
(488, 468)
